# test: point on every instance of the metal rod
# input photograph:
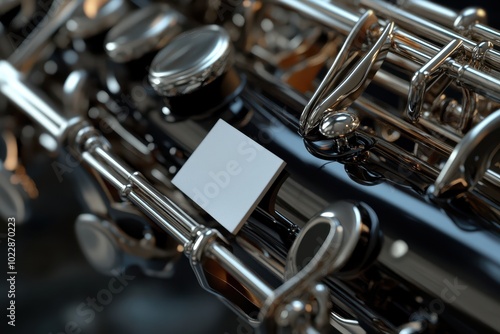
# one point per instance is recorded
(236, 268)
(120, 168)
(452, 19)
(103, 171)
(483, 32)
(182, 218)
(325, 13)
(424, 27)
(466, 75)
(431, 10)
(367, 106)
(33, 103)
(166, 224)
(408, 45)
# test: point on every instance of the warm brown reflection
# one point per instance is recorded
(91, 7)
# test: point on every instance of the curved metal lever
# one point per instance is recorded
(320, 240)
(347, 77)
(470, 159)
(323, 246)
(423, 77)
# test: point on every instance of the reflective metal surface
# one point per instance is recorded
(96, 17)
(142, 31)
(192, 60)
(385, 220)
(338, 125)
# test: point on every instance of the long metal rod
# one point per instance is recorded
(236, 268)
(469, 22)
(406, 128)
(410, 46)
(431, 10)
(424, 27)
(34, 105)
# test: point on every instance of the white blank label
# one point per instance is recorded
(228, 174)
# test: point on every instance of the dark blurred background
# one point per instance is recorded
(54, 278)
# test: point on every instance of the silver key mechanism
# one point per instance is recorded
(341, 240)
(326, 119)
(194, 71)
(143, 31)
